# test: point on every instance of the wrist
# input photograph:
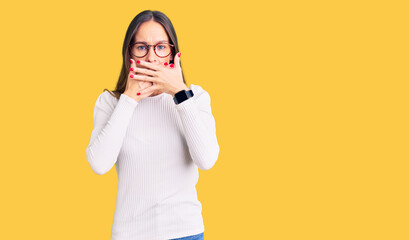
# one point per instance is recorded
(179, 89)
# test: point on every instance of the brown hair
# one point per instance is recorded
(142, 17)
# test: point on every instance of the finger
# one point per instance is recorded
(177, 60)
(146, 71)
(167, 65)
(132, 63)
(132, 68)
(148, 89)
(148, 65)
(146, 85)
(143, 78)
(143, 84)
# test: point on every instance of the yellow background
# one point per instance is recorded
(310, 100)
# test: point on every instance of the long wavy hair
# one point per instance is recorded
(142, 17)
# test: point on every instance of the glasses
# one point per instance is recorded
(162, 49)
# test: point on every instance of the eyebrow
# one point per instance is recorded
(161, 41)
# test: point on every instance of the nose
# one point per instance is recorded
(151, 56)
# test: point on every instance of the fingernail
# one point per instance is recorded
(131, 69)
(131, 61)
(137, 61)
(171, 65)
(179, 54)
(131, 76)
(139, 94)
(166, 63)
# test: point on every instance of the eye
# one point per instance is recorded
(140, 47)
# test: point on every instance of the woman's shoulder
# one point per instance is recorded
(106, 100)
(197, 89)
(108, 95)
(199, 94)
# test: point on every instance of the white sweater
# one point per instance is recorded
(157, 148)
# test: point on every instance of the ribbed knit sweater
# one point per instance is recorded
(157, 148)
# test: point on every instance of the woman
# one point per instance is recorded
(156, 139)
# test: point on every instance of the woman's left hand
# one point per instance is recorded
(168, 79)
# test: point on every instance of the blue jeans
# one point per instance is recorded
(192, 237)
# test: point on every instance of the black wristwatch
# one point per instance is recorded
(182, 96)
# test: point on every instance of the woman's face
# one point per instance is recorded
(152, 32)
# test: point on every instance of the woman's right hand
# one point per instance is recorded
(133, 86)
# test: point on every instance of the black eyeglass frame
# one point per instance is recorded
(149, 48)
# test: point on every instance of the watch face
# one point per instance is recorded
(180, 96)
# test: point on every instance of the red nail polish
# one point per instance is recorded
(179, 54)
(137, 61)
(131, 69)
(171, 65)
(131, 61)
(166, 63)
(139, 94)
(131, 76)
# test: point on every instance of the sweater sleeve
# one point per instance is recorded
(200, 128)
(110, 124)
